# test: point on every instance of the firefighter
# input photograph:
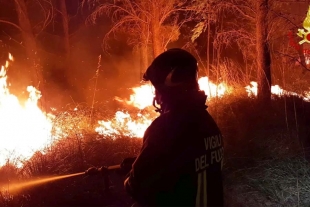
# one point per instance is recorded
(180, 163)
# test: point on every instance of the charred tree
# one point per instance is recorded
(263, 53)
(34, 69)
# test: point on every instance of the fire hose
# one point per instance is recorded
(124, 168)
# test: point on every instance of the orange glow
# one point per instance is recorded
(125, 124)
(13, 187)
(252, 89)
(307, 96)
(211, 89)
(275, 90)
(142, 96)
(24, 128)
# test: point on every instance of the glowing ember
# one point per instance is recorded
(124, 125)
(24, 128)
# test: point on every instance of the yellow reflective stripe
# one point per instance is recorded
(222, 163)
(205, 193)
(198, 190)
(202, 180)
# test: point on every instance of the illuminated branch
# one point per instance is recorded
(133, 16)
(14, 40)
(228, 37)
(48, 15)
(295, 59)
(241, 9)
(12, 24)
(282, 16)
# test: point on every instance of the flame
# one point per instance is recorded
(276, 90)
(307, 95)
(142, 96)
(124, 124)
(24, 128)
(252, 90)
(211, 89)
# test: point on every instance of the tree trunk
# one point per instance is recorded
(144, 44)
(65, 25)
(155, 30)
(143, 60)
(208, 46)
(34, 69)
(263, 53)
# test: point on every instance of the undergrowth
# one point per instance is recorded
(266, 156)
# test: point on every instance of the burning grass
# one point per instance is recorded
(266, 148)
(263, 146)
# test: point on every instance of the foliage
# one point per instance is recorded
(205, 15)
(41, 19)
(131, 16)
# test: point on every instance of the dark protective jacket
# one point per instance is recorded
(181, 159)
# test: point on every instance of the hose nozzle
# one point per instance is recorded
(95, 171)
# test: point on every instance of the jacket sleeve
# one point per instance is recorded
(147, 170)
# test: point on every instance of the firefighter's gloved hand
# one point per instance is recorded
(126, 164)
(102, 170)
(92, 171)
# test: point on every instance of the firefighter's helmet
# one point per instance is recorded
(175, 70)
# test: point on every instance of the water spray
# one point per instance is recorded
(17, 186)
(125, 166)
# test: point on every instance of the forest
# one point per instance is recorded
(72, 95)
